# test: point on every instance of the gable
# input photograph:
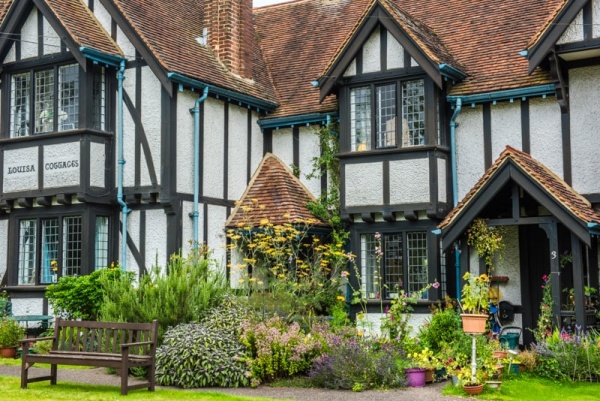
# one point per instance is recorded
(386, 32)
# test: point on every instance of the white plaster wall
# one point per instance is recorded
(97, 163)
(128, 133)
(509, 265)
(151, 118)
(51, 39)
(506, 127)
(413, 62)
(62, 177)
(20, 181)
(469, 148)
(238, 151)
(372, 53)
(256, 144)
(409, 181)
(10, 56)
(351, 70)
(584, 86)
(370, 323)
(102, 16)
(364, 184)
(442, 179)
(185, 142)
(283, 145)
(156, 234)
(596, 17)
(546, 133)
(214, 144)
(29, 36)
(216, 234)
(125, 45)
(27, 306)
(574, 32)
(395, 53)
(309, 148)
(236, 271)
(3, 249)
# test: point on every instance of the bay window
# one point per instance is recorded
(47, 99)
(393, 262)
(396, 110)
(55, 246)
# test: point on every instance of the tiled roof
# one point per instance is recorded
(274, 193)
(4, 6)
(170, 32)
(83, 27)
(301, 38)
(543, 176)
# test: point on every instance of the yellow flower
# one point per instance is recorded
(484, 278)
(340, 298)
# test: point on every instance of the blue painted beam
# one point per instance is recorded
(530, 91)
(306, 119)
(101, 57)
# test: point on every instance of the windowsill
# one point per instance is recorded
(392, 150)
(46, 135)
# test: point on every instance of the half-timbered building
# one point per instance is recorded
(129, 128)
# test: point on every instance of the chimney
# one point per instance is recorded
(231, 33)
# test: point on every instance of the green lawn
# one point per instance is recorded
(10, 388)
(525, 387)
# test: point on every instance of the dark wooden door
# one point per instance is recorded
(534, 249)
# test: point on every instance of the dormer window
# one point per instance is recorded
(47, 100)
(382, 106)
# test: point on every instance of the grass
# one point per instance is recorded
(532, 388)
(10, 388)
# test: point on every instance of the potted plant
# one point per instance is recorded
(10, 334)
(475, 303)
(471, 385)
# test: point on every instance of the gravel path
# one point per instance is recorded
(432, 392)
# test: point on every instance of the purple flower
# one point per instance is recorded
(436, 285)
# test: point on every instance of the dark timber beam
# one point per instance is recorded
(578, 281)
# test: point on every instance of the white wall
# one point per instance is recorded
(151, 118)
(364, 184)
(574, 32)
(237, 152)
(97, 165)
(506, 127)
(469, 148)
(409, 181)
(51, 39)
(214, 144)
(185, 141)
(546, 133)
(29, 36)
(3, 249)
(21, 181)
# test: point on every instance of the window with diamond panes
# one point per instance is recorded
(392, 257)
(27, 252)
(99, 99)
(370, 274)
(385, 109)
(49, 251)
(44, 101)
(72, 246)
(68, 97)
(101, 242)
(417, 261)
(413, 111)
(19, 105)
(360, 122)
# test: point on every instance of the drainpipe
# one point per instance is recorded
(124, 208)
(453, 163)
(194, 214)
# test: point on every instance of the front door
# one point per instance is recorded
(534, 251)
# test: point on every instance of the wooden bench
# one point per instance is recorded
(102, 344)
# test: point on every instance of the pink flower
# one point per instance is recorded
(436, 285)
(377, 235)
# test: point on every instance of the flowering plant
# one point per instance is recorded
(476, 294)
(425, 359)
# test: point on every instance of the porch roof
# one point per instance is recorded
(553, 193)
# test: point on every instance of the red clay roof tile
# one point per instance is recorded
(273, 193)
(543, 176)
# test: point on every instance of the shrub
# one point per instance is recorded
(81, 297)
(188, 290)
(357, 364)
(277, 349)
(443, 328)
(10, 333)
(207, 353)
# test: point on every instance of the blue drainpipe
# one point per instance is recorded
(196, 111)
(124, 208)
(453, 126)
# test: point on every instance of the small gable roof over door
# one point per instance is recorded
(71, 19)
(549, 190)
(428, 50)
(275, 194)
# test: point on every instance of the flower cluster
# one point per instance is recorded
(476, 294)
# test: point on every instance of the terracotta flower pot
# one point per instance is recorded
(473, 390)
(500, 354)
(474, 324)
(9, 352)
(429, 373)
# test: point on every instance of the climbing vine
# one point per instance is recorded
(488, 241)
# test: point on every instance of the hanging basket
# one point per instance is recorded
(474, 324)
